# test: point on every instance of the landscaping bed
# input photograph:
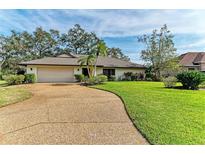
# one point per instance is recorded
(163, 115)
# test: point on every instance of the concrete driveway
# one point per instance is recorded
(67, 114)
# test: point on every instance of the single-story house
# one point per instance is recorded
(193, 61)
(63, 67)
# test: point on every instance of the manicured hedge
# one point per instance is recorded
(191, 79)
(99, 79)
(79, 77)
(30, 78)
(14, 79)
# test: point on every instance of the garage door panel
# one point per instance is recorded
(55, 74)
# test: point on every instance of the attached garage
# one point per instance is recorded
(64, 67)
(55, 74)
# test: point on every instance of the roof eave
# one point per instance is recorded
(25, 64)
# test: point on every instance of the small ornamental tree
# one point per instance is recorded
(191, 79)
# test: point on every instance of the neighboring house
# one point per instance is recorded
(193, 61)
(63, 68)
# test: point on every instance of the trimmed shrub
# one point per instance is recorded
(134, 77)
(130, 76)
(30, 78)
(191, 79)
(14, 79)
(79, 77)
(141, 76)
(127, 76)
(112, 78)
(101, 78)
(91, 81)
(170, 82)
(96, 80)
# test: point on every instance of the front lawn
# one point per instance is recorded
(164, 116)
(13, 94)
(2, 82)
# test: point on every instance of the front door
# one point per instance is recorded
(85, 71)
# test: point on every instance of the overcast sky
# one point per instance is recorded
(119, 28)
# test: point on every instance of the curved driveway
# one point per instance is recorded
(67, 114)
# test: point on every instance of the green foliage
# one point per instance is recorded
(13, 94)
(100, 50)
(88, 61)
(99, 79)
(117, 53)
(159, 52)
(112, 78)
(149, 76)
(30, 78)
(14, 79)
(191, 79)
(130, 76)
(76, 40)
(24, 46)
(127, 76)
(79, 77)
(170, 82)
(164, 115)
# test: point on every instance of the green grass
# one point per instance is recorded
(2, 82)
(12, 94)
(164, 116)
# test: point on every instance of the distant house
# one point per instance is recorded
(63, 68)
(193, 61)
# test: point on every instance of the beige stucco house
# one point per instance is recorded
(63, 68)
(193, 61)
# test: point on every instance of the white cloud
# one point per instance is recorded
(194, 44)
(107, 22)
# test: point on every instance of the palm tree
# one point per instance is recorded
(88, 60)
(101, 50)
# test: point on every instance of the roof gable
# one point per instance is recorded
(192, 58)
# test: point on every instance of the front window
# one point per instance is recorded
(109, 72)
(191, 69)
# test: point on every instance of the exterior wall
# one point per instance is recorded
(99, 70)
(78, 70)
(31, 70)
(202, 67)
(119, 72)
(186, 68)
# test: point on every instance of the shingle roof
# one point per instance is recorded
(64, 60)
(192, 58)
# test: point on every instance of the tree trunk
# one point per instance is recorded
(89, 75)
(95, 67)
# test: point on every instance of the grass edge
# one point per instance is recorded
(123, 102)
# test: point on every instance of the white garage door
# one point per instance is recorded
(55, 74)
